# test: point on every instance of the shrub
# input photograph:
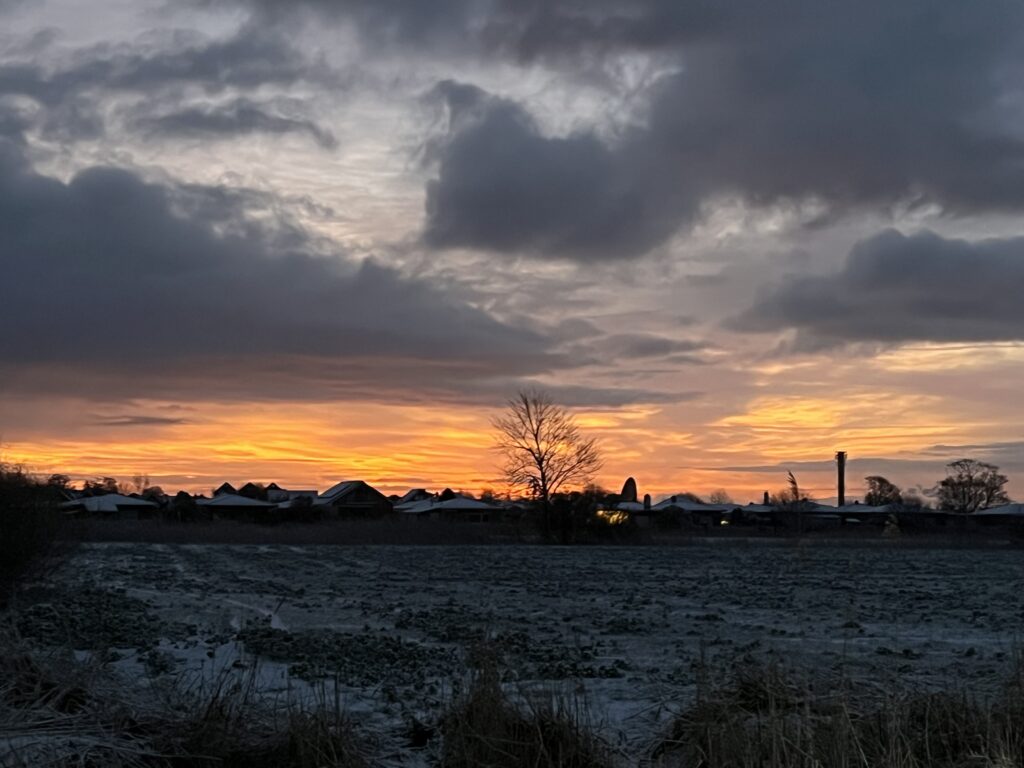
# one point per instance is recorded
(29, 520)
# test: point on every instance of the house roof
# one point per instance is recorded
(865, 509)
(630, 506)
(1006, 510)
(679, 501)
(340, 490)
(465, 504)
(416, 507)
(414, 494)
(458, 504)
(232, 500)
(111, 502)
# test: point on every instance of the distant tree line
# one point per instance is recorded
(970, 485)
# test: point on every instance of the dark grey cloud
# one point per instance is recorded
(236, 118)
(1009, 455)
(642, 345)
(74, 90)
(109, 290)
(502, 185)
(13, 123)
(595, 396)
(852, 105)
(247, 59)
(138, 420)
(899, 288)
(437, 25)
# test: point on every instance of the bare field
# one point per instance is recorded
(626, 629)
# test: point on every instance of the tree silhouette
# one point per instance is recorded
(720, 496)
(881, 492)
(543, 450)
(971, 485)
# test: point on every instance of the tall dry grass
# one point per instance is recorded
(58, 712)
(485, 728)
(765, 718)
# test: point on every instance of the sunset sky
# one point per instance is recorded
(310, 241)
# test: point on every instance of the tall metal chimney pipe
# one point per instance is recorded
(841, 472)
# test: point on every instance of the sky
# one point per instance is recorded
(309, 241)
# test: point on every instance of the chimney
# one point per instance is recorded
(767, 499)
(841, 476)
(647, 502)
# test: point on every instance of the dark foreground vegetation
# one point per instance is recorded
(54, 711)
(60, 710)
(30, 522)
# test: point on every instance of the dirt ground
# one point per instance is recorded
(628, 629)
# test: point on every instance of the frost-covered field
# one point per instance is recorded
(625, 628)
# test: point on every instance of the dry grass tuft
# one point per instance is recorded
(485, 729)
(57, 712)
(762, 718)
(229, 724)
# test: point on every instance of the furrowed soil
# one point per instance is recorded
(395, 630)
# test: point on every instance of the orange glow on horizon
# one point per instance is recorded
(396, 447)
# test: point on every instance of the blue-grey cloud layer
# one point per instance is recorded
(856, 105)
(149, 287)
(899, 288)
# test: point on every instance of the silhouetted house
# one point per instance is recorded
(418, 501)
(412, 496)
(354, 498)
(233, 506)
(863, 513)
(111, 505)
(225, 488)
(279, 495)
(253, 491)
(1005, 510)
(423, 508)
(458, 507)
(683, 508)
(468, 510)
(1007, 514)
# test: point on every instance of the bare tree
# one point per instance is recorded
(542, 448)
(720, 496)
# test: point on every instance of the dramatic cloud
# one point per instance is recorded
(108, 282)
(897, 288)
(859, 106)
(250, 59)
(237, 118)
(848, 106)
(502, 185)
